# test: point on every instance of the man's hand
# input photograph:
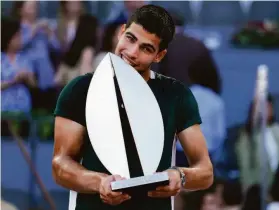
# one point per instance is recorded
(107, 195)
(172, 189)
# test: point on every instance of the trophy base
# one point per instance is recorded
(141, 185)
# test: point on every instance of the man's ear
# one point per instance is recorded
(160, 56)
(121, 31)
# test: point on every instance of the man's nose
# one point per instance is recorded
(133, 51)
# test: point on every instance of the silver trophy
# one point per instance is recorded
(125, 126)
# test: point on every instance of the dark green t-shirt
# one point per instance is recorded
(179, 111)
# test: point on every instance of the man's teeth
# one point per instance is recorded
(127, 61)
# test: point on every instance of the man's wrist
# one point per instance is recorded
(92, 181)
(182, 174)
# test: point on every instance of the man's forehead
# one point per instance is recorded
(142, 35)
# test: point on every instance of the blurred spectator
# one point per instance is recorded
(211, 107)
(186, 53)
(248, 148)
(109, 42)
(274, 192)
(212, 111)
(37, 39)
(189, 61)
(16, 72)
(17, 76)
(78, 60)
(67, 23)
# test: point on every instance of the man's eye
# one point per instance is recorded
(146, 49)
(130, 38)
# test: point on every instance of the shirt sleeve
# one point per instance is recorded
(72, 99)
(187, 110)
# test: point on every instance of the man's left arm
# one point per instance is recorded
(200, 173)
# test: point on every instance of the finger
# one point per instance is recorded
(113, 194)
(121, 199)
(122, 196)
(116, 200)
(171, 187)
(163, 188)
(107, 188)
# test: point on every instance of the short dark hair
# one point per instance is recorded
(155, 20)
(9, 27)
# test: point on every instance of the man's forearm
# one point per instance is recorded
(198, 178)
(71, 175)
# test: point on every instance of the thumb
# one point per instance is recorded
(117, 178)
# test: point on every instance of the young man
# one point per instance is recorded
(142, 41)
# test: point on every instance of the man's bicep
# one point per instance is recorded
(193, 143)
(68, 138)
(187, 110)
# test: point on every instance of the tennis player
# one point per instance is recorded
(142, 40)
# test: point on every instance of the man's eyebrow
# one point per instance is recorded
(148, 45)
(132, 35)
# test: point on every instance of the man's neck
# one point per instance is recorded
(146, 74)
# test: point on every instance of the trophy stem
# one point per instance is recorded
(133, 159)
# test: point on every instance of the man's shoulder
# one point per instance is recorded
(172, 83)
(81, 82)
(76, 88)
(72, 99)
(169, 80)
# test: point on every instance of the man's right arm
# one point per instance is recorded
(66, 169)
(69, 135)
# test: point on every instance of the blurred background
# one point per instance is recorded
(217, 49)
